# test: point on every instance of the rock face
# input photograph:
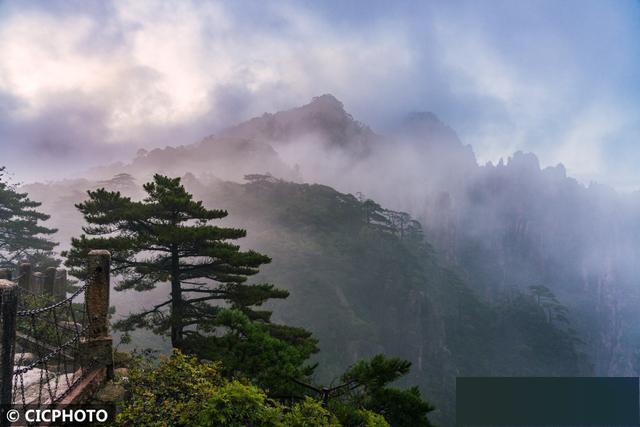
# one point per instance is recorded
(539, 226)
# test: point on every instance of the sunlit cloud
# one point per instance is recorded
(114, 76)
(173, 60)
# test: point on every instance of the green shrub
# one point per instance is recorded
(182, 391)
(171, 393)
(309, 413)
(238, 405)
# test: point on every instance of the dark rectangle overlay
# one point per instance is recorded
(542, 401)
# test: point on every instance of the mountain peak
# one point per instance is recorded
(326, 108)
(524, 161)
(326, 101)
(323, 118)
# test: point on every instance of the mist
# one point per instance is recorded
(531, 225)
(92, 82)
(507, 132)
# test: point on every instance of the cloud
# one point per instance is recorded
(152, 71)
(545, 77)
(121, 75)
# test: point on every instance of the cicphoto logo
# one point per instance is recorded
(68, 415)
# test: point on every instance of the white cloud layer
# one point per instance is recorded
(106, 77)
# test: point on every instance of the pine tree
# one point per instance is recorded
(546, 299)
(167, 238)
(22, 237)
(252, 350)
(370, 379)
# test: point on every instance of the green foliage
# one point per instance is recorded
(248, 349)
(536, 330)
(512, 337)
(39, 333)
(238, 405)
(361, 287)
(168, 238)
(171, 393)
(22, 237)
(309, 413)
(377, 372)
(547, 300)
(370, 390)
(370, 287)
(400, 407)
(353, 416)
(367, 418)
(348, 278)
(183, 391)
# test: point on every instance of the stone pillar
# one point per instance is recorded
(8, 309)
(60, 284)
(98, 341)
(37, 282)
(49, 280)
(25, 280)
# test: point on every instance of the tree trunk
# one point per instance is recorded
(176, 302)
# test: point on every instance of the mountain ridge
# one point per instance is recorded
(504, 226)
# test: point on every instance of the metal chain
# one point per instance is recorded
(50, 381)
(51, 354)
(24, 313)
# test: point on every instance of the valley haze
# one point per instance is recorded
(494, 230)
(452, 183)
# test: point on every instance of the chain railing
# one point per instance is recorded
(48, 356)
(53, 341)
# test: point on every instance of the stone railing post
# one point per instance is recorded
(49, 280)
(25, 280)
(98, 341)
(8, 309)
(37, 282)
(60, 284)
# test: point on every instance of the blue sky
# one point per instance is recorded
(86, 82)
